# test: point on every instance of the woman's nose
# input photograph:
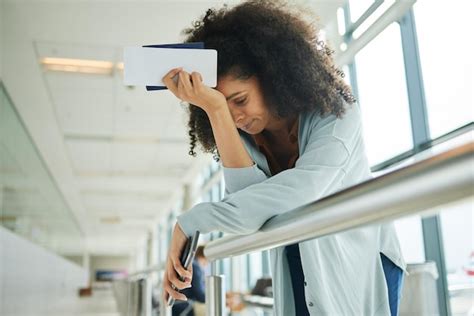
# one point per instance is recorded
(237, 116)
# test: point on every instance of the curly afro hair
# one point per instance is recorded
(274, 43)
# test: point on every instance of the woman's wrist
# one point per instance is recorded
(217, 111)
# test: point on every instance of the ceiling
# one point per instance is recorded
(117, 154)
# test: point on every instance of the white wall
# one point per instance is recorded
(34, 281)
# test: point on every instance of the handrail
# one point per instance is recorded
(414, 189)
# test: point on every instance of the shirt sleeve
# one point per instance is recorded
(237, 179)
(318, 172)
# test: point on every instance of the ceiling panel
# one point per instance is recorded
(83, 104)
(76, 50)
(128, 203)
(90, 156)
(126, 183)
(149, 157)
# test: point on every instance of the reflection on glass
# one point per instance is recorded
(446, 52)
(383, 96)
(457, 223)
(31, 204)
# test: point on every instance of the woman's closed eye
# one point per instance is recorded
(240, 101)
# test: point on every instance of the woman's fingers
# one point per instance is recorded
(173, 278)
(171, 289)
(178, 267)
(169, 81)
(197, 80)
(185, 82)
(174, 293)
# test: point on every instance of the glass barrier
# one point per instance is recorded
(30, 202)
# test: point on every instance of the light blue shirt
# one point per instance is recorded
(343, 272)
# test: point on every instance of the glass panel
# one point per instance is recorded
(30, 203)
(358, 7)
(410, 235)
(255, 268)
(383, 96)
(457, 224)
(447, 64)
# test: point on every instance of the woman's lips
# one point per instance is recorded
(246, 127)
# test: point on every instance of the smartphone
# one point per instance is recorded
(187, 257)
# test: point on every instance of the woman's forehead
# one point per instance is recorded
(230, 85)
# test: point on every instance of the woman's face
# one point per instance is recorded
(246, 104)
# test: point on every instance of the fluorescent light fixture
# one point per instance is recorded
(110, 220)
(99, 67)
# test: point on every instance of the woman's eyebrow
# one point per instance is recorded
(233, 95)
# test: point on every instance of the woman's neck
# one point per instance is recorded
(279, 128)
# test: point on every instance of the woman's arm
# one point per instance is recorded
(332, 148)
(190, 88)
(315, 175)
(231, 150)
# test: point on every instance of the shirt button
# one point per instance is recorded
(310, 304)
(305, 284)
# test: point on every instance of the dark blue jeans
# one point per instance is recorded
(394, 278)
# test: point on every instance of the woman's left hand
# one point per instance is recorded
(189, 88)
(174, 271)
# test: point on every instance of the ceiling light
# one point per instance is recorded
(111, 220)
(99, 67)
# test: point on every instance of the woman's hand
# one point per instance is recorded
(174, 269)
(189, 88)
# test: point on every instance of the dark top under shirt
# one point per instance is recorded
(292, 252)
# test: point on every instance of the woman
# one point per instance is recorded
(288, 132)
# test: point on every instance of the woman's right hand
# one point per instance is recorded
(189, 88)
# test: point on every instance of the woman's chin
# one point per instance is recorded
(252, 130)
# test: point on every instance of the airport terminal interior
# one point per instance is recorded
(94, 173)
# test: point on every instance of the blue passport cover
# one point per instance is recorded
(196, 45)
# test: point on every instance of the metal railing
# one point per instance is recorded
(134, 295)
(415, 189)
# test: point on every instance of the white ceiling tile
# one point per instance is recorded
(125, 203)
(78, 82)
(90, 156)
(145, 184)
(132, 157)
(76, 51)
(82, 106)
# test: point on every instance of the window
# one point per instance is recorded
(444, 32)
(457, 224)
(410, 236)
(383, 96)
(358, 7)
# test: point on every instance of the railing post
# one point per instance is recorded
(215, 292)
